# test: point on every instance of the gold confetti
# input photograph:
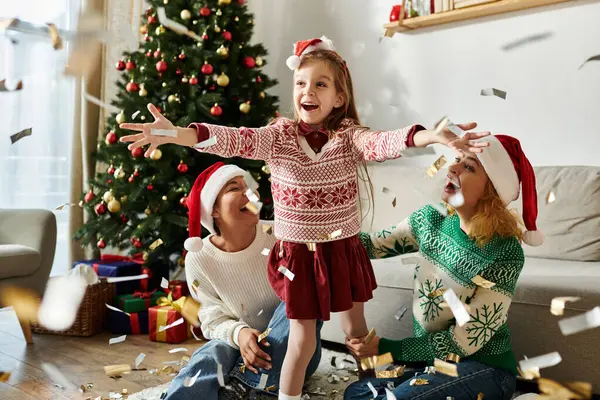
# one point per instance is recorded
(532, 373)
(263, 335)
(3, 87)
(445, 367)
(19, 135)
(195, 285)
(557, 305)
(480, 396)
(57, 42)
(394, 373)
(565, 390)
(479, 281)
(268, 229)
(376, 361)
(332, 235)
(419, 382)
(311, 246)
(243, 368)
(254, 207)
(436, 166)
(550, 197)
(451, 357)
(26, 303)
(370, 336)
(270, 389)
(4, 376)
(155, 244)
(118, 369)
(436, 293)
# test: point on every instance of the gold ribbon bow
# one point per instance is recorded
(168, 301)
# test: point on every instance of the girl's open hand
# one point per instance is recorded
(467, 143)
(146, 136)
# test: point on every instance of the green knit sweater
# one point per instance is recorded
(449, 260)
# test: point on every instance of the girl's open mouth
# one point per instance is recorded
(309, 106)
(452, 186)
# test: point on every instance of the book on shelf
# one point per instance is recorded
(458, 4)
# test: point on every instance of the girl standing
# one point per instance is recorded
(318, 265)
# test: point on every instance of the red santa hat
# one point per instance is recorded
(202, 198)
(510, 172)
(306, 46)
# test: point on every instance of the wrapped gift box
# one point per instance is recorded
(138, 301)
(133, 324)
(178, 289)
(113, 266)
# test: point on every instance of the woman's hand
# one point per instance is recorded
(361, 350)
(185, 136)
(251, 353)
(467, 143)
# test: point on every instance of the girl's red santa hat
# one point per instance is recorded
(510, 172)
(306, 46)
(202, 199)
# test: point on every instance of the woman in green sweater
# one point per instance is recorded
(473, 253)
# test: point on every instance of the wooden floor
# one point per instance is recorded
(81, 360)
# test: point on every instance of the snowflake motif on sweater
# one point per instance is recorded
(449, 260)
(313, 194)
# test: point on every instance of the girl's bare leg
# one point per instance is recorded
(302, 343)
(353, 321)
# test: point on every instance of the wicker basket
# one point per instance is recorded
(92, 316)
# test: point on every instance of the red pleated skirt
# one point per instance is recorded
(330, 279)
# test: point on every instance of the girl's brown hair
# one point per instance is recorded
(343, 84)
(493, 218)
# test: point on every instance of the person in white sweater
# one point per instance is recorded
(227, 274)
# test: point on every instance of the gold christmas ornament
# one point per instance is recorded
(160, 30)
(223, 80)
(164, 84)
(219, 12)
(124, 198)
(120, 117)
(259, 61)
(224, 2)
(172, 98)
(108, 196)
(165, 1)
(184, 79)
(261, 95)
(164, 198)
(217, 29)
(143, 92)
(185, 14)
(119, 173)
(236, 19)
(156, 154)
(148, 211)
(114, 206)
(245, 108)
(223, 51)
(143, 29)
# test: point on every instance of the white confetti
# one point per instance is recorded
(400, 313)
(178, 350)
(206, 143)
(252, 196)
(263, 381)
(164, 328)
(116, 309)
(164, 132)
(494, 92)
(452, 127)
(116, 340)
(370, 385)
(139, 359)
(175, 26)
(289, 274)
(57, 377)
(581, 322)
(389, 395)
(265, 252)
(190, 381)
(557, 305)
(544, 361)
(194, 333)
(135, 114)
(100, 103)
(259, 313)
(115, 279)
(164, 283)
(457, 307)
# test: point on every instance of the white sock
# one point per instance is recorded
(283, 396)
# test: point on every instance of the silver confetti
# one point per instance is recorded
(400, 313)
(494, 92)
(593, 58)
(527, 40)
(20, 135)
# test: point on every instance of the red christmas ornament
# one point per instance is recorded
(241, 2)
(205, 36)
(193, 80)
(109, 181)
(157, 53)
(207, 69)
(137, 244)
(216, 110)
(161, 66)
(258, 79)
(149, 53)
(150, 187)
(181, 56)
(100, 208)
(249, 62)
(182, 168)
(136, 173)
(146, 38)
(149, 11)
(120, 65)
(159, 109)
(183, 201)
(101, 244)
(211, 87)
(227, 35)
(178, 71)
(130, 65)
(277, 114)
(137, 152)
(151, 19)
(112, 138)
(89, 196)
(132, 87)
(111, 170)
(205, 11)
(124, 218)
(133, 239)
(131, 179)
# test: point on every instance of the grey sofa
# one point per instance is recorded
(568, 264)
(27, 246)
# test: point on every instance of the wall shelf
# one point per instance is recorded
(463, 14)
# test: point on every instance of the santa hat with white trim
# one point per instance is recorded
(510, 172)
(202, 199)
(307, 46)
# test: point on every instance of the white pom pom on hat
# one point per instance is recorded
(193, 244)
(306, 46)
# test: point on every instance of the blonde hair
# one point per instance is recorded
(343, 84)
(493, 218)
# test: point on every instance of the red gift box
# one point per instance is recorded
(167, 312)
(178, 289)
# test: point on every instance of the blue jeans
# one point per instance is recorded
(473, 378)
(216, 352)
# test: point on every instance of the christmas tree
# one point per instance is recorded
(195, 65)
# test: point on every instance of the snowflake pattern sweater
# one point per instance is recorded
(449, 260)
(313, 194)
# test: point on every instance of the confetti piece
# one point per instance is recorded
(494, 92)
(60, 208)
(441, 125)
(436, 293)
(4, 376)
(20, 135)
(446, 368)
(479, 281)
(480, 396)
(190, 381)
(452, 127)
(557, 305)
(311, 246)
(263, 381)
(115, 279)
(370, 336)
(436, 166)
(268, 229)
(164, 328)
(389, 395)
(220, 377)
(386, 190)
(259, 313)
(263, 335)
(175, 26)
(155, 244)
(581, 322)
(254, 207)
(100, 103)
(457, 307)
(533, 373)
(451, 357)
(116, 309)
(332, 235)
(394, 202)
(390, 374)
(119, 369)
(419, 382)
(526, 40)
(376, 361)
(370, 385)
(333, 378)
(289, 274)
(135, 114)
(194, 333)
(544, 361)
(206, 143)
(250, 182)
(592, 58)
(265, 252)
(171, 362)
(566, 390)
(178, 350)
(243, 368)
(57, 377)
(9, 88)
(61, 301)
(117, 339)
(400, 313)
(139, 359)
(550, 197)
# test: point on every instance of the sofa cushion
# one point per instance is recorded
(17, 260)
(572, 222)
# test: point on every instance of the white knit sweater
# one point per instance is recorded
(233, 288)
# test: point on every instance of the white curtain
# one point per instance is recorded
(34, 172)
